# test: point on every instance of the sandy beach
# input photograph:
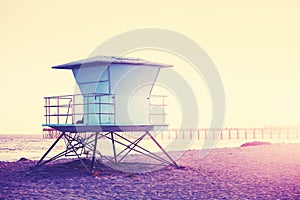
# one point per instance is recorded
(252, 172)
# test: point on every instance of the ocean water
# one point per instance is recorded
(31, 146)
(13, 147)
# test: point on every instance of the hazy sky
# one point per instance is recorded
(255, 46)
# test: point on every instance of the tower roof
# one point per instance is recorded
(109, 60)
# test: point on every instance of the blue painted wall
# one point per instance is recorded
(130, 84)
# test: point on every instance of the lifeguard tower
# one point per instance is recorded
(115, 96)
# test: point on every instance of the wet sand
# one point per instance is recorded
(252, 172)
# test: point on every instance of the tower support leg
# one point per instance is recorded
(113, 145)
(94, 151)
(52, 146)
(162, 149)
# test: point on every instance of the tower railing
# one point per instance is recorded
(157, 109)
(80, 108)
(96, 108)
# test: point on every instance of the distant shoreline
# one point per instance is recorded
(33, 146)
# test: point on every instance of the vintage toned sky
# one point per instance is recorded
(255, 46)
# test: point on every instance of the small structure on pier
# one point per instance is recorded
(115, 96)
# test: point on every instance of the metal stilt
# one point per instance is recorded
(52, 146)
(113, 145)
(94, 152)
(162, 149)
